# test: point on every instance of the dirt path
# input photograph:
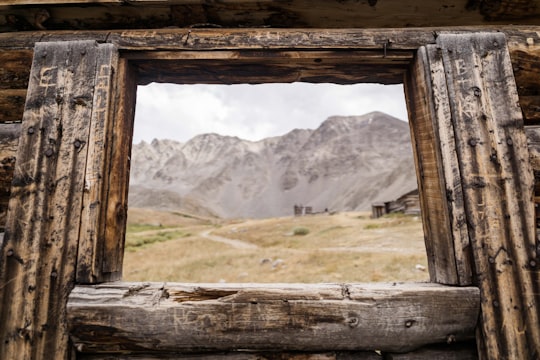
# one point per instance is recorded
(238, 244)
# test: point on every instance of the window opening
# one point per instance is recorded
(273, 183)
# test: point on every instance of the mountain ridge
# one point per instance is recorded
(346, 163)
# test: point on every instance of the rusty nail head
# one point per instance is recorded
(31, 130)
(10, 252)
(495, 303)
(48, 152)
(532, 263)
(509, 141)
(472, 142)
(77, 144)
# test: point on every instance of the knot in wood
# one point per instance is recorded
(472, 142)
(532, 263)
(476, 91)
(49, 152)
(409, 323)
(30, 130)
(509, 142)
(353, 322)
(10, 252)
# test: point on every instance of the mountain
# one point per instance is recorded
(347, 163)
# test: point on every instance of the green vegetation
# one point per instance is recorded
(339, 248)
(300, 231)
(136, 239)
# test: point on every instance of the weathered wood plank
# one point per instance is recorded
(438, 175)
(90, 251)
(85, 14)
(497, 185)
(9, 140)
(243, 355)
(523, 42)
(15, 68)
(12, 105)
(117, 176)
(465, 351)
(119, 317)
(39, 249)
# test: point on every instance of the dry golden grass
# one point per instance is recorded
(345, 247)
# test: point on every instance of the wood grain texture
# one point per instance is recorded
(438, 174)
(12, 105)
(242, 355)
(497, 183)
(39, 249)
(90, 252)
(135, 317)
(523, 43)
(9, 140)
(107, 14)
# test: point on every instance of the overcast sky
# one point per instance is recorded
(254, 112)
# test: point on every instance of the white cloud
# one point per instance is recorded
(254, 112)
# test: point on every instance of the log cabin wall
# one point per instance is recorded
(55, 243)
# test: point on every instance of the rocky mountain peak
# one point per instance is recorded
(345, 164)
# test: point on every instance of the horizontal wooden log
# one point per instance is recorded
(102, 14)
(241, 355)
(15, 68)
(135, 317)
(389, 48)
(12, 105)
(465, 351)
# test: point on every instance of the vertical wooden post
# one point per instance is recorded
(38, 255)
(472, 104)
(103, 222)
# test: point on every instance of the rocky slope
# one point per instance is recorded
(347, 163)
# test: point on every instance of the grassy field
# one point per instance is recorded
(343, 247)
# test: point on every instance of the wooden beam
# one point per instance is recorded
(146, 46)
(465, 351)
(23, 15)
(135, 317)
(38, 254)
(103, 221)
(497, 185)
(15, 68)
(12, 105)
(438, 174)
(240, 355)
(9, 140)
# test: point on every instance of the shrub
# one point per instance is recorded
(300, 231)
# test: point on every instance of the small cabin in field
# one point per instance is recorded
(408, 203)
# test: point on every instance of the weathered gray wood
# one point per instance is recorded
(465, 351)
(103, 14)
(497, 183)
(243, 355)
(9, 140)
(523, 42)
(438, 175)
(135, 317)
(39, 249)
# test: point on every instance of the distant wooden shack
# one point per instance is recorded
(408, 203)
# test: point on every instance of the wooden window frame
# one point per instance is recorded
(97, 317)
